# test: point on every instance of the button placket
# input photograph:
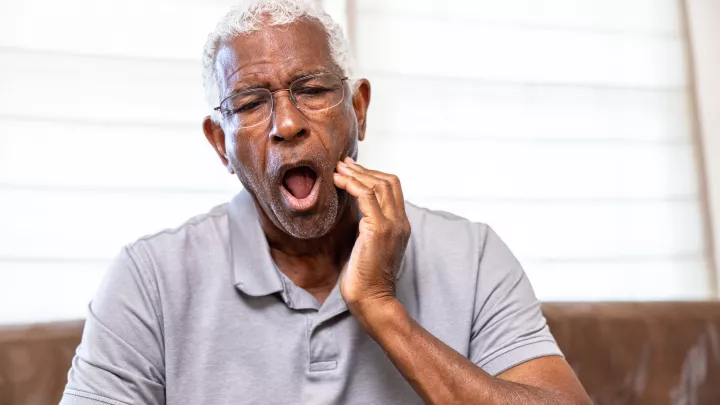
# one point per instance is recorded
(323, 348)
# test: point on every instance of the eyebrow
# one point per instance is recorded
(308, 73)
(239, 88)
(243, 87)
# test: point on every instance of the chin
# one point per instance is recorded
(308, 225)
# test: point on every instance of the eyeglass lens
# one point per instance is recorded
(314, 93)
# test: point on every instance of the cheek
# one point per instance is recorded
(348, 132)
(342, 131)
(246, 154)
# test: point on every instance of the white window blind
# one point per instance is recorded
(564, 124)
(101, 142)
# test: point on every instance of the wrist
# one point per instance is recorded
(376, 316)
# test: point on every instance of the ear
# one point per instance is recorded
(361, 101)
(216, 136)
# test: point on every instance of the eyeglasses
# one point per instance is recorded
(312, 93)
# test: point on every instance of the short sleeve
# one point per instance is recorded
(508, 326)
(120, 359)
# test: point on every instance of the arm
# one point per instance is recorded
(436, 372)
(441, 375)
(120, 359)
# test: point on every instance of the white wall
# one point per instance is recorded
(563, 124)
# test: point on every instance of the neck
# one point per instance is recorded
(314, 264)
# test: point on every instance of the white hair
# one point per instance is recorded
(250, 16)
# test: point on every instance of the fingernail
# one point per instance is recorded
(350, 159)
(342, 164)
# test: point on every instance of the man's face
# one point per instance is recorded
(288, 161)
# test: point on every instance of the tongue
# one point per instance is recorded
(299, 182)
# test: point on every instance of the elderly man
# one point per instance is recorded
(309, 286)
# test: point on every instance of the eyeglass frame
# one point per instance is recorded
(292, 99)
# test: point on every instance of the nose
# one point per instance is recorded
(289, 122)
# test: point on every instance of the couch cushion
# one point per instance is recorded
(642, 353)
(34, 361)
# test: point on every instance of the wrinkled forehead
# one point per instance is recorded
(276, 52)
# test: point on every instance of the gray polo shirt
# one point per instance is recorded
(201, 315)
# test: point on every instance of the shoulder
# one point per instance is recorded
(444, 230)
(444, 249)
(196, 235)
(199, 226)
(192, 260)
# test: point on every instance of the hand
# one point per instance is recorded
(369, 277)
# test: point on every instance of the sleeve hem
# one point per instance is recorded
(520, 355)
(96, 399)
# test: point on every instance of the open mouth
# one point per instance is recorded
(299, 181)
(300, 188)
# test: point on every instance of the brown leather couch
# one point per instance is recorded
(624, 353)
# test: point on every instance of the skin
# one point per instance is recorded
(316, 249)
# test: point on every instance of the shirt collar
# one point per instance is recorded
(255, 272)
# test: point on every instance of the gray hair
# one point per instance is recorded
(248, 16)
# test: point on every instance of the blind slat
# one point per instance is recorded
(85, 155)
(487, 109)
(654, 17)
(406, 45)
(75, 224)
(570, 230)
(47, 291)
(150, 29)
(481, 168)
(676, 279)
(87, 88)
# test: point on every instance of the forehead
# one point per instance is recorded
(275, 53)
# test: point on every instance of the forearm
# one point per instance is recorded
(439, 374)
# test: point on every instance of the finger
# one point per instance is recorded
(383, 190)
(367, 200)
(393, 180)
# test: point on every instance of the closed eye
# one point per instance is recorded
(248, 106)
(312, 91)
